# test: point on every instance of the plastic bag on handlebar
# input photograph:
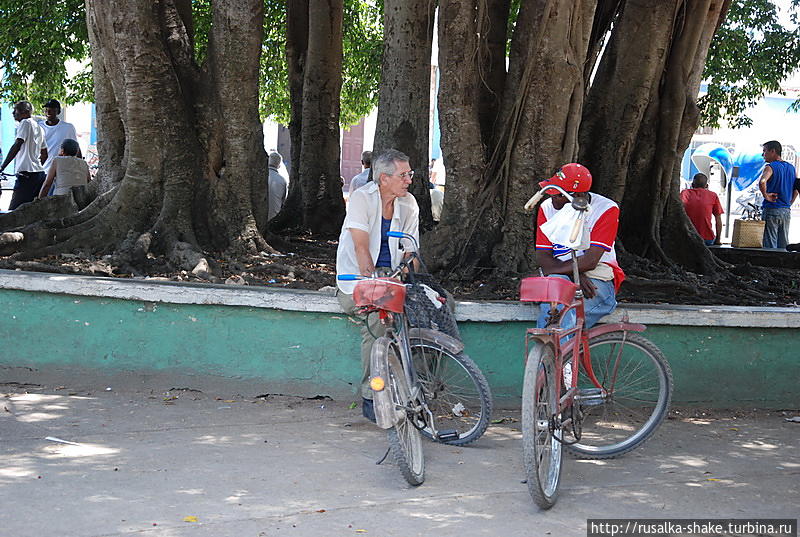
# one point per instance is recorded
(559, 228)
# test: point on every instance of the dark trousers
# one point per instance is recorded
(26, 188)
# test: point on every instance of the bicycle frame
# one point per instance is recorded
(577, 335)
(555, 337)
(387, 414)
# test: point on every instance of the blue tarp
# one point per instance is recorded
(750, 167)
(708, 153)
(699, 160)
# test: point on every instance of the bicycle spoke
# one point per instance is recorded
(636, 384)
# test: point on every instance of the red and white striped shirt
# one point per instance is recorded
(602, 222)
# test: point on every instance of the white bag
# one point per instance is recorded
(559, 228)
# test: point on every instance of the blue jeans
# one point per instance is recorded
(708, 242)
(776, 229)
(603, 303)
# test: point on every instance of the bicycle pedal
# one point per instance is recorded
(447, 436)
(591, 397)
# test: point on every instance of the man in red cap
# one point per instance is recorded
(600, 274)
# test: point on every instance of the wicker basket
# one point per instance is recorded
(748, 234)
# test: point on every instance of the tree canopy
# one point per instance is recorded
(752, 53)
(181, 87)
(39, 40)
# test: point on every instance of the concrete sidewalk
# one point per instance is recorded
(187, 463)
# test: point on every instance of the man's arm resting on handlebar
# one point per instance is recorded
(586, 262)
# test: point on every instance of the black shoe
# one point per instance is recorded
(367, 409)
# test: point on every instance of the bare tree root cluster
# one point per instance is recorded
(740, 285)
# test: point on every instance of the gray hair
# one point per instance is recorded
(275, 159)
(366, 158)
(386, 163)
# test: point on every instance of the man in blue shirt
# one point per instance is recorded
(777, 187)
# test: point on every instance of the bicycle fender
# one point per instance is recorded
(385, 416)
(448, 342)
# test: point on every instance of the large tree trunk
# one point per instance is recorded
(182, 159)
(291, 214)
(320, 175)
(314, 54)
(494, 24)
(462, 143)
(634, 151)
(403, 121)
(535, 133)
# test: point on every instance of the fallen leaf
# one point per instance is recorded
(352, 405)
(190, 518)
(320, 510)
(713, 479)
(361, 531)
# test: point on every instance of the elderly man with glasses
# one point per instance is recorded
(364, 245)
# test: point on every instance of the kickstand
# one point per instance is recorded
(384, 456)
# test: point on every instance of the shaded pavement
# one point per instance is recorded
(189, 463)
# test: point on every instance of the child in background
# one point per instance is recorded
(66, 171)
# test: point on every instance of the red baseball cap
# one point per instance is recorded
(572, 177)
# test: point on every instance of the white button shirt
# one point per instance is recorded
(364, 212)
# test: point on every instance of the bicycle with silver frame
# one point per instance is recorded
(422, 382)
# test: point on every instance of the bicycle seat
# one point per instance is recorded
(547, 289)
(381, 293)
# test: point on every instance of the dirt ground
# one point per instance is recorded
(310, 264)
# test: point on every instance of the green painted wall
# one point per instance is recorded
(317, 353)
(711, 366)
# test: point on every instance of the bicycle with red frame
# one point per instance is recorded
(595, 393)
(421, 380)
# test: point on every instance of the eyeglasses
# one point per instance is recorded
(409, 174)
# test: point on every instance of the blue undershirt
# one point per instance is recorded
(385, 256)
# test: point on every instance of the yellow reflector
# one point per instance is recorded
(377, 384)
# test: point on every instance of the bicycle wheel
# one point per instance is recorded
(404, 438)
(456, 391)
(636, 390)
(541, 448)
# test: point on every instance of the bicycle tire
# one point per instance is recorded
(404, 439)
(637, 403)
(541, 449)
(455, 389)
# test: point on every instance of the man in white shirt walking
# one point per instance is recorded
(55, 132)
(28, 152)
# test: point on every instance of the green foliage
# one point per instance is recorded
(362, 43)
(38, 39)
(363, 51)
(201, 18)
(751, 54)
(274, 71)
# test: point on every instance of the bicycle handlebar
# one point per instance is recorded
(536, 198)
(349, 277)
